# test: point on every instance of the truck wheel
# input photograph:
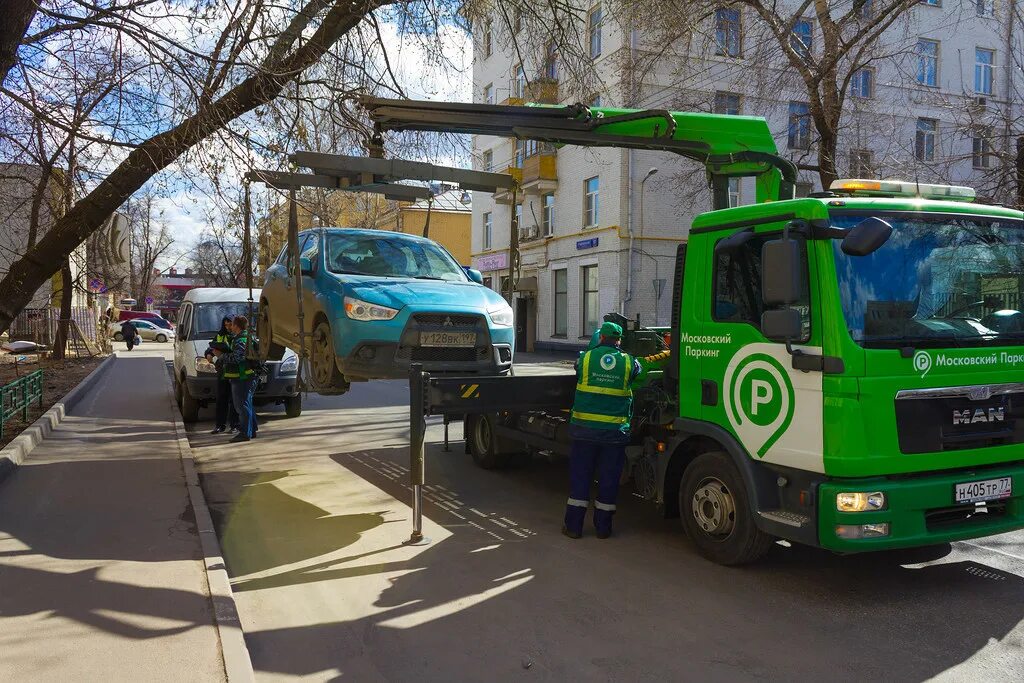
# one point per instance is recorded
(268, 350)
(325, 376)
(483, 444)
(715, 510)
(293, 406)
(189, 405)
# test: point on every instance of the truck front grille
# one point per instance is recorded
(963, 516)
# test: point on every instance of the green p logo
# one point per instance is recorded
(758, 400)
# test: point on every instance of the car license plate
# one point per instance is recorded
(977, 491)
(463, 339)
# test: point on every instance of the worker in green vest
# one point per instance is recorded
(599, 429)
(217, 353)
(242, 375)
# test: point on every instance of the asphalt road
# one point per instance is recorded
(312, 515)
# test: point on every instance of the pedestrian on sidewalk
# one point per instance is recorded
(599, 429)
(242, 375)
(129, 332)
(217, 354)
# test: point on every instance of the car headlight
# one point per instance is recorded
(289, 366)
(362, 310)
(501, 315)
(860, 501)
(205, 367)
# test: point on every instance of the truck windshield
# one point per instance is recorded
(938, 281)
(391, 257)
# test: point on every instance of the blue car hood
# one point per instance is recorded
(397, 293)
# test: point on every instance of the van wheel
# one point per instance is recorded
(161, 338)
(268, 350)
(715, 511)
(118, 336)
(293, 406)
(325, 377)
(189, 405)
(486, 448)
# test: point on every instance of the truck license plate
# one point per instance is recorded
(977, 491)
(458, 339)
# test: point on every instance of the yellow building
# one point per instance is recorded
(450, 221)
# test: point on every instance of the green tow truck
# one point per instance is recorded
(846, 370)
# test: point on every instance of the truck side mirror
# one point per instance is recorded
(781, 271)
(782, 325)
(305, 265)
(866, 237)
(474, 275)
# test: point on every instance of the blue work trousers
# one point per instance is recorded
(586, 459)
(242, 391)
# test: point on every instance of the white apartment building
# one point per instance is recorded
(599, 227)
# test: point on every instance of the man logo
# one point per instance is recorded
(759, 400)
(607, 361)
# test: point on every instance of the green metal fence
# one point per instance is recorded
(18, 396)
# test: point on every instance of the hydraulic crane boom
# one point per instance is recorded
(728, 146)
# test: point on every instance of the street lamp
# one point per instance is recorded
(643, 182)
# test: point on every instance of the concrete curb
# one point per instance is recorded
(14, 453)
(237, 663)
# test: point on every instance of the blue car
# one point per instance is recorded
(376, 301)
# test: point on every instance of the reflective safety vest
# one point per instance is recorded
(604, 399)
(243, 370)
(221, 339)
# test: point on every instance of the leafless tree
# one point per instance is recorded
(150, 244)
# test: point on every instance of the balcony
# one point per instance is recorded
(538, 91)
(507, 196)
(540, 173)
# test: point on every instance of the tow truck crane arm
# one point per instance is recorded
(728, 146)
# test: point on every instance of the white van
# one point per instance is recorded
(195, 379)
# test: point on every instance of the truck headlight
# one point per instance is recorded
(205, 367)
(500, 315)
(855, 531)
(289, 366)
(362, 310)
(860, 501)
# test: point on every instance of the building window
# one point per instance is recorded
(519, 216)
(981, 148)
(488, 161)
(595, 100)
(488, 229)
(728, 32)
(861, 163)
(520, 146)
(519, 84)
(862, 83)
(488, 39)
(864, 8)
(591, 302)
(928, 62)
(983, 8)
(549, 213)
(551, 62)
(802, 38)
(590, 199)
(727, 103)
(517, 21)
(734, 192)
(804, 189)
(932, 3)
(561, 289)
(594, 21)
(799, 125)
(984, 61)
(924, 142)
(489, 93)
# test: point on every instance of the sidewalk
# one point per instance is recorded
(101, 575)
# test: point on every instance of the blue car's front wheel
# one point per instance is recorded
(326, 378)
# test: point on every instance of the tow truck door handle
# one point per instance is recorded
(812, 362)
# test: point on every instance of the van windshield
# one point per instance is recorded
(940, 280)
(207, 317)
(391, 257)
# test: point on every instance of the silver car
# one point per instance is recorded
(147, 331)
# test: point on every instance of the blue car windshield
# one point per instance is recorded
(938, 281)
(384, 256)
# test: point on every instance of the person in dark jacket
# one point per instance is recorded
(129, 332)
(219, 348)
(240, 371)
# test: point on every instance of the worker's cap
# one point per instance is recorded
(611, 330)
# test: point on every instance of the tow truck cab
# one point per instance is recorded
(859, 357)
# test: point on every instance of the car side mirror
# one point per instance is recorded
(782, 324)
(781, 271)
(474, 275)
(866, 237)
(305, 265)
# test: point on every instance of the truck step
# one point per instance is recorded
(784, 517)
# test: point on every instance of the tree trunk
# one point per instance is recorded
(28, 273)
(17, 17)
(60, 343)
(1020, 172)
